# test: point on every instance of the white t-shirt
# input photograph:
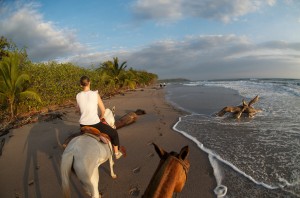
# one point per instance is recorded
(88, 105)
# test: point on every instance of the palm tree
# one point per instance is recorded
(130, 79)
(13, 84)
(114, 70)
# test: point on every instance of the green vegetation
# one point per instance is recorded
(13, 84)
(49, 84)
(115, 73)
(5, 47)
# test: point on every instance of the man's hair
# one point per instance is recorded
(84, 81)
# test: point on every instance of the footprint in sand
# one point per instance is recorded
(37, 166)
(134, 191)
(136, 170)
(30, 182)
(150, 155)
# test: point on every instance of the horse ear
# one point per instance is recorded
(184, 152)
(159, 151)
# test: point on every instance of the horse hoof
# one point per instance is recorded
(220, 191)
(114, 176)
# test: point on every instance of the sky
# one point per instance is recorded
(196, 40)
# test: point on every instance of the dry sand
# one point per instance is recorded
(30, 162)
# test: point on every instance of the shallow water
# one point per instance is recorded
(256, 157)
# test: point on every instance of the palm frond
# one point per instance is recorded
(20, 81)
(5, 72)
(30, 95)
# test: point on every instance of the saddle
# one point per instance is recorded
(95, 133)
(90, 131)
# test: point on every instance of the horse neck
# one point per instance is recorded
(164, 180)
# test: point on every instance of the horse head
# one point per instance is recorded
(109, 117)
(170, 175)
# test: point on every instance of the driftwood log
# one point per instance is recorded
(239, 110)
(128, 118)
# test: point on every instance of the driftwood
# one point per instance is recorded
(129, 118)
(239, 110)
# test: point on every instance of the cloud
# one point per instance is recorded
(222, 10)
(158, 9)
(193, 57)
(209, 57)
(44, 41)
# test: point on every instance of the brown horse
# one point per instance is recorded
(170, 175)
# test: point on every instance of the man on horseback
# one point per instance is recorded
(88, 102)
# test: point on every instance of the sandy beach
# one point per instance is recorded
(30, 162)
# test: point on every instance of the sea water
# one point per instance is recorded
(252, 157)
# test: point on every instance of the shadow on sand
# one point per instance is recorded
(43, 156)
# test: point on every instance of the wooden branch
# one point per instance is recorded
(239, 110)
(254, 100)
(129, 118)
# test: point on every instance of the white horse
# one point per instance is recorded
(85, 154)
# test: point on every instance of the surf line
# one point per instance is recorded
(210, 152)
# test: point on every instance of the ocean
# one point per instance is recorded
(251, 157)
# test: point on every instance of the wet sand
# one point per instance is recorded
(30, 162)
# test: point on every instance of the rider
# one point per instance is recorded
(88, 102)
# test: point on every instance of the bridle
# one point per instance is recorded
(185, 166)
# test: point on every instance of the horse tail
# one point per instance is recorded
(65, 168)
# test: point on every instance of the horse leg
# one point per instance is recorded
(89, 177)
(94, 184)
(111, 161)
(90, 184)
(66, 164)
(111, 166)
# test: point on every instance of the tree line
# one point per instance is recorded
(27, 86)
